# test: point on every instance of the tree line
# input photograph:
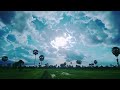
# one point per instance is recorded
(21, 63)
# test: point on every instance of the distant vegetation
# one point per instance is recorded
(21, 63)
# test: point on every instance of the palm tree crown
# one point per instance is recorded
(95, 61)
(78, 61)
(4, 58)
(41, 57)
(115, 51)
(35, 52)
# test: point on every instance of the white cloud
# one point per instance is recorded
(104, 16)
(51, 17)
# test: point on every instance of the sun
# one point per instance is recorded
(59, 42)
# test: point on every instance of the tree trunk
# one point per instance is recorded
(41, 63)
(4, 63)
(117, 62)
(35, 60)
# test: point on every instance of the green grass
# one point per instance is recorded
(60, 73)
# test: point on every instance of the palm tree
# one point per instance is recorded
(39, 64)
(116, 52)
(4, 59)
(41, 57)
(35, 52)
(95, 62)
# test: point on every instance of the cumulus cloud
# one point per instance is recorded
(59, 35)
(20, 21)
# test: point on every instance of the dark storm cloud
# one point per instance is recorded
(6, 16)
(97, 27)
(2, 33)
(116, 40)
(100, 23)
(94, 33)
(116, 21)
(11, 38)
(116, 18)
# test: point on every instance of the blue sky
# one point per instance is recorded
(60, 36)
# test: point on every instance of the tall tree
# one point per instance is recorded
(95, 62)
(79, 62)
(4, 59)
(35, 52)
(116, 52)
(41, 57)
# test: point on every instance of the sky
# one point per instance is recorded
(61, 36)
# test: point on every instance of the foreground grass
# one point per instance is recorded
(60, 73)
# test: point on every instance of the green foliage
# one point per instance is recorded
(35, 52)
(116, 51)
(41, 57)
(78, 61)
(4, 58)
(20, 63)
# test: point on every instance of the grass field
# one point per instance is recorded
(28, 73)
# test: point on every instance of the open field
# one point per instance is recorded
(37, 73)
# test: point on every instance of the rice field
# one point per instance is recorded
(36, 73)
